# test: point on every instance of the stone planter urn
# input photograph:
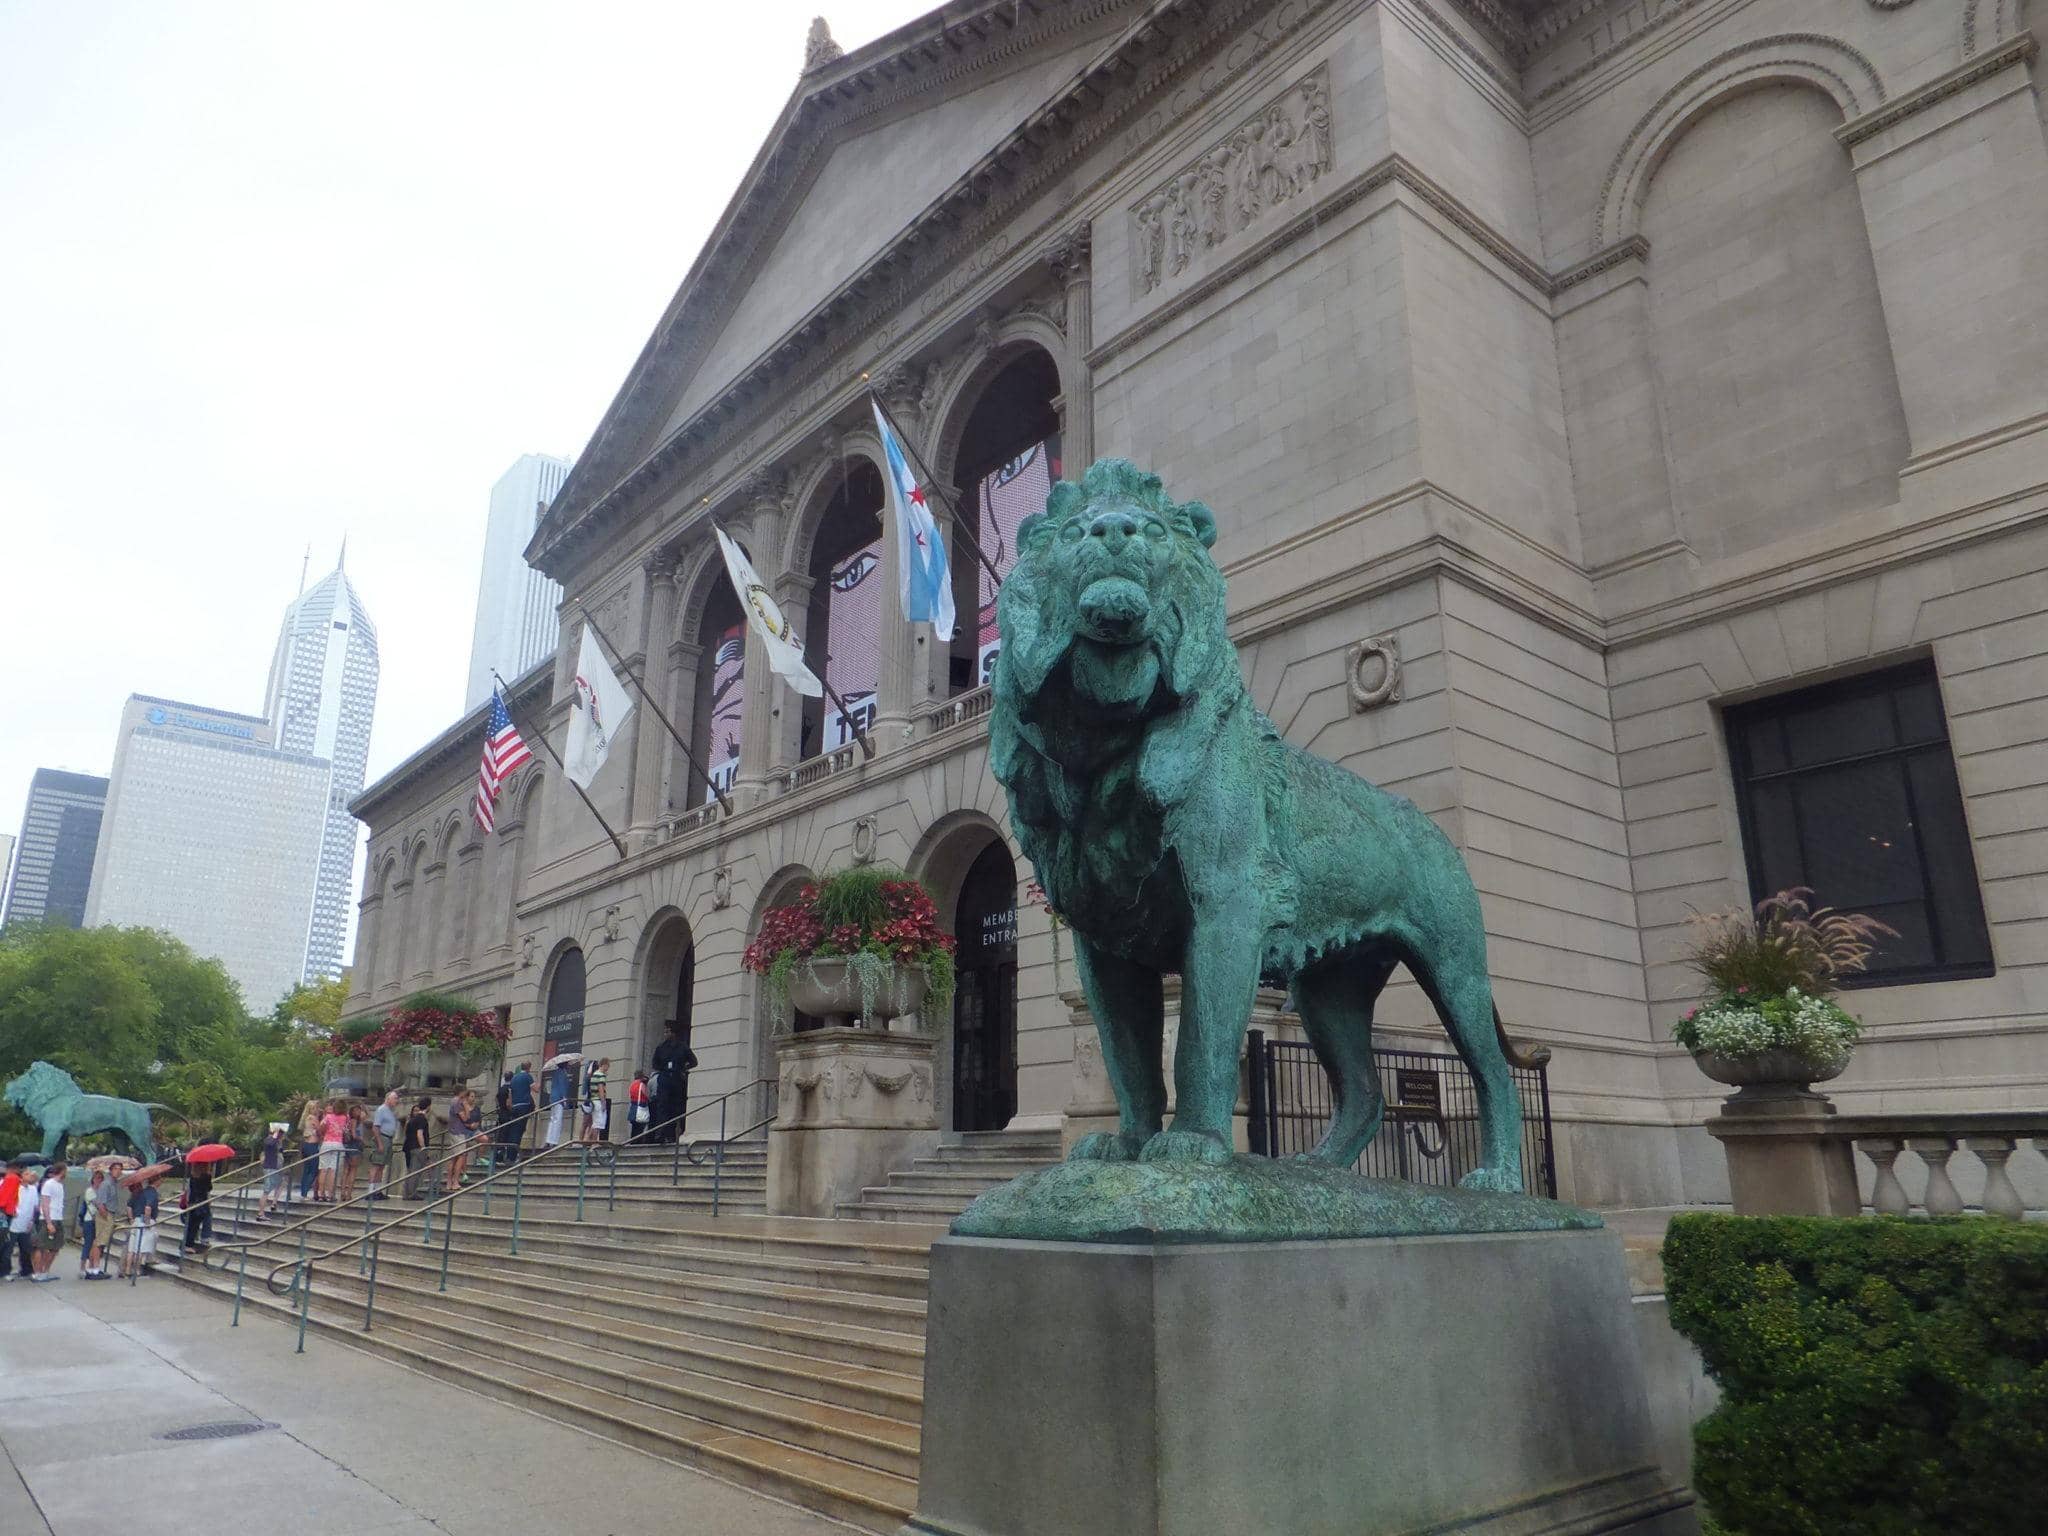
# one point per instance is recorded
(1768, 1075)
(850, 1105)
(831, 990)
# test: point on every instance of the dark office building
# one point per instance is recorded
(53, 858)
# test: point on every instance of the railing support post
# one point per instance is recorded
(241, 1275)
(305, 1302)
(2001, 1198)
(362, 1257)
(582, 1171)
(447, 1232)
(718, 1157)
(518, 1190)
(611, 1199)
(370, 1296)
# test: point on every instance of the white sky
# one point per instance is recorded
(273, 272)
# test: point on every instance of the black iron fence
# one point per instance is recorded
(1431, 1131)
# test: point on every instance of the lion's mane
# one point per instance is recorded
(40, 1087)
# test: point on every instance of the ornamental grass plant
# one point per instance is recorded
(1773, 972)
(874, 918)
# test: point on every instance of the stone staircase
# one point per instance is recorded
(783, 1355)
(651, 1181)
(938, 1187)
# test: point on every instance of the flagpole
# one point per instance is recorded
(659, 713)
(952, 506)
(505, 689)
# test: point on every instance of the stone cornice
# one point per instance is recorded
(463, 739)
(1142, 60)
(926, 56)
(2018, 50)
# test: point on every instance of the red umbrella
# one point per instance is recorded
(210, 1152)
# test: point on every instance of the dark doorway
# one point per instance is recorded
(985, 997)
(684, 975)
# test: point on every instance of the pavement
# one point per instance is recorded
(92, 1375)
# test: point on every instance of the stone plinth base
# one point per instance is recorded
(1785, 1157)
(852, 1104)
(1380, 1387)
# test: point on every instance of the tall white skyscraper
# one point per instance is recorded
(320, 702)
(215, 836)
(515, 604)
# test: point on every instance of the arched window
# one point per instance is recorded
(1008, 459)
(985, 994)
(720, 706)
(562, 1027)
(843, 633)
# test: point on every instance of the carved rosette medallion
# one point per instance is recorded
(1372, 672)
(1270, 160)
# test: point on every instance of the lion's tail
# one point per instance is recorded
(1529, 1056)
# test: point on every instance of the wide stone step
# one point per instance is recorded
(934, 1182)
(874, 1205)
(920, 1198)
(993, 1169)
(882, 1265)
(862, 1495)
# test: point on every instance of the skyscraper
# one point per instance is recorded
(53, 862)
(515, 604)
(320, 702)
(216, 836)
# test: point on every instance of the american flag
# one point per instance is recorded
(504, 751)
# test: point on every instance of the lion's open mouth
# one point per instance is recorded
(1114, 611)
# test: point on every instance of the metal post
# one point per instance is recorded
(362, 1257)
(241, 1275)
(370, 1299)
(582, 1169)
(447, 1231)
(241, 1208)
(1255, 1132)
(675, 1153)
(305, 1303)
(718, 1155)
(611, 1200)
(518, 1183)
(427, 1227)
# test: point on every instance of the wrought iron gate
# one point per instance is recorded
(1431, 1131)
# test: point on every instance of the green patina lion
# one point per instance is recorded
(51, 1097)
(1175, 831)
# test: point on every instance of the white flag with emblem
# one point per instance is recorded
(596, 713)
(785, 650)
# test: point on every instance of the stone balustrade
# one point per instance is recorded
(1991, 1136)
(817, 769)
(1796, 1156)
(959, 710)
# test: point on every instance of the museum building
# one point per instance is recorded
(1627, 432)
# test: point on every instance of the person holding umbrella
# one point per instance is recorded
(200, 1163)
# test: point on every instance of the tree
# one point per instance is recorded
(316, 1005)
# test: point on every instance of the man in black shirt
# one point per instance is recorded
(673, 1062)
(417, 1130)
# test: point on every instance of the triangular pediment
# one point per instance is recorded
(865, 147)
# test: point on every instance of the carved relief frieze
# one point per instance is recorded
(1268, 161)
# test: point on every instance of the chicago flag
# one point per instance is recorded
(926, 581)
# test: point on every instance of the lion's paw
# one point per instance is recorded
(1185, 1147)
(1507, 1181)
(1105, 1147)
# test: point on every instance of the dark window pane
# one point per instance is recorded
(1861, 850)
(1765, 738)
(1848, 727)
(1780, 863)
(1914, 948)
(1920, 720)
(1951, 870)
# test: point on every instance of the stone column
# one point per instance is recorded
(1071, 261)
(786, 715)
(463, 942)
(905, 661)
(651, 744)
(369, 935)
(408, 920)
(1954, 183)
(758, 526)
(1785, 1158)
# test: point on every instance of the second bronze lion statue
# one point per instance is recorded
(1176, 832)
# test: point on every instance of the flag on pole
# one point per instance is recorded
(504, 751)
(600, 707)
(785, 650)
(925, 580)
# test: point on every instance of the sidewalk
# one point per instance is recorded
(92, 1375)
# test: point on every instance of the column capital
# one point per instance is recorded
(1070, 257)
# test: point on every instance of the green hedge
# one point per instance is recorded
(1879, 1377)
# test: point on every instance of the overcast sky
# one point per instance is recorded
(272, 273)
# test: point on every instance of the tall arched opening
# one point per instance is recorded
(1005, 465)
(562, 1023)
(985, 993)
(720, 705)
(668, 974)
(843, 628)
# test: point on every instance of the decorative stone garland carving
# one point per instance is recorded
(1271, 159)
(721, 886)
(864, 832)
(1372, 672)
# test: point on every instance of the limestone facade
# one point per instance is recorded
(1561, 375)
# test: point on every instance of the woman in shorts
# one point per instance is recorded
(333, 1127)
(464, 1120)
(351, 1151)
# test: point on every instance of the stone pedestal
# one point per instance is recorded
(852, 1104)
(1092, 1106)
(1483, 1384)
(1785, 1157)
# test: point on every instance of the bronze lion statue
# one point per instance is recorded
(1175, 831)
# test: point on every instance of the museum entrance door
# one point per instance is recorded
(985, 996)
